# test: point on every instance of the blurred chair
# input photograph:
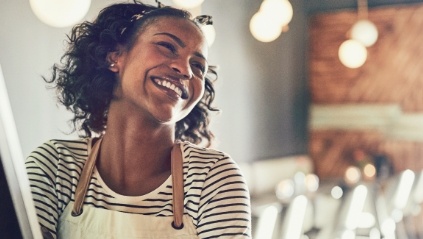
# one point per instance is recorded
(413, 211)
(268, 220)
(350, 212)
(263, 177)
(294, 218)
(392, 205)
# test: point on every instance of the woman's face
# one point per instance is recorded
(163, 75)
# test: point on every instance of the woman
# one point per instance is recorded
(137, 78)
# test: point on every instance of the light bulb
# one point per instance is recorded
(209, 33)
(369, 171)
(279, 10)
(285, 189)
(336, 192)
(188, 4)
(352, 53)
(365, 32)
(264, 28)
(60, 13)
(352, 175)
(312, 182)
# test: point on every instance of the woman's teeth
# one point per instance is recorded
(169, 85)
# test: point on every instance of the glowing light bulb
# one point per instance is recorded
(352, 175)
(60, 13)
(369, 171)
(188, 4)
(279, 10)
(312, 182)
(209, 33)
(365, 32)
(352, 53)
(285, 189)
(264, 28)
(336, 192)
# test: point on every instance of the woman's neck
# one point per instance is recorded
(135, 150)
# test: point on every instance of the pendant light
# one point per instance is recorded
(364, 30)
(60, 13)
(271, 20)
(188, 4)
(353, 52)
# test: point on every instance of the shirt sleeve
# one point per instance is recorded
(225, 210)
(41, 166)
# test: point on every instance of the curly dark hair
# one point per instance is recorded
(85, 84)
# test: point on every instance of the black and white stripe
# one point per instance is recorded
(216, 196)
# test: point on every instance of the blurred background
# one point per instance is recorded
(324, 116)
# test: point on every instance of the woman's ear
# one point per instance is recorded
(113, 58)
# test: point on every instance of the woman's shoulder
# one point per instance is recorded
(60, 145)
(206, 159)
(57, 149)
(191, 150)
(69, 144)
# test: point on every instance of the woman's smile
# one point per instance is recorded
(172, 87)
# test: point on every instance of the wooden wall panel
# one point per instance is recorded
(394, 63)
(392, 74)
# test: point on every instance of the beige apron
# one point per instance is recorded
(92, 223)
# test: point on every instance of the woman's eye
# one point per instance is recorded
(200, 67)
(168, 46)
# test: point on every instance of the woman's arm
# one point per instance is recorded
(41, 168)
(225, 210)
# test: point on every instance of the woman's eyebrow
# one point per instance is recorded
(198, 54)
(175, 38)
(179, 42)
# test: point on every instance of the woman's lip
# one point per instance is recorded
(172, 86)
(172, 94)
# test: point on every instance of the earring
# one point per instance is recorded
(113, 64)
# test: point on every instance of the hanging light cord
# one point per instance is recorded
(362, 9)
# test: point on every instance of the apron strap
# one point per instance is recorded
(177, 186)
(84, 179)
(177, 182)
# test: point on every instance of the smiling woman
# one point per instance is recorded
(140, 87)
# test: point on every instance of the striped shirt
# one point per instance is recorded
(216, 195)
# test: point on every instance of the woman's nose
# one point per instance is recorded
(182, 68)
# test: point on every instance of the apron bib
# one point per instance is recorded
(95, 223)
(98, 223)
